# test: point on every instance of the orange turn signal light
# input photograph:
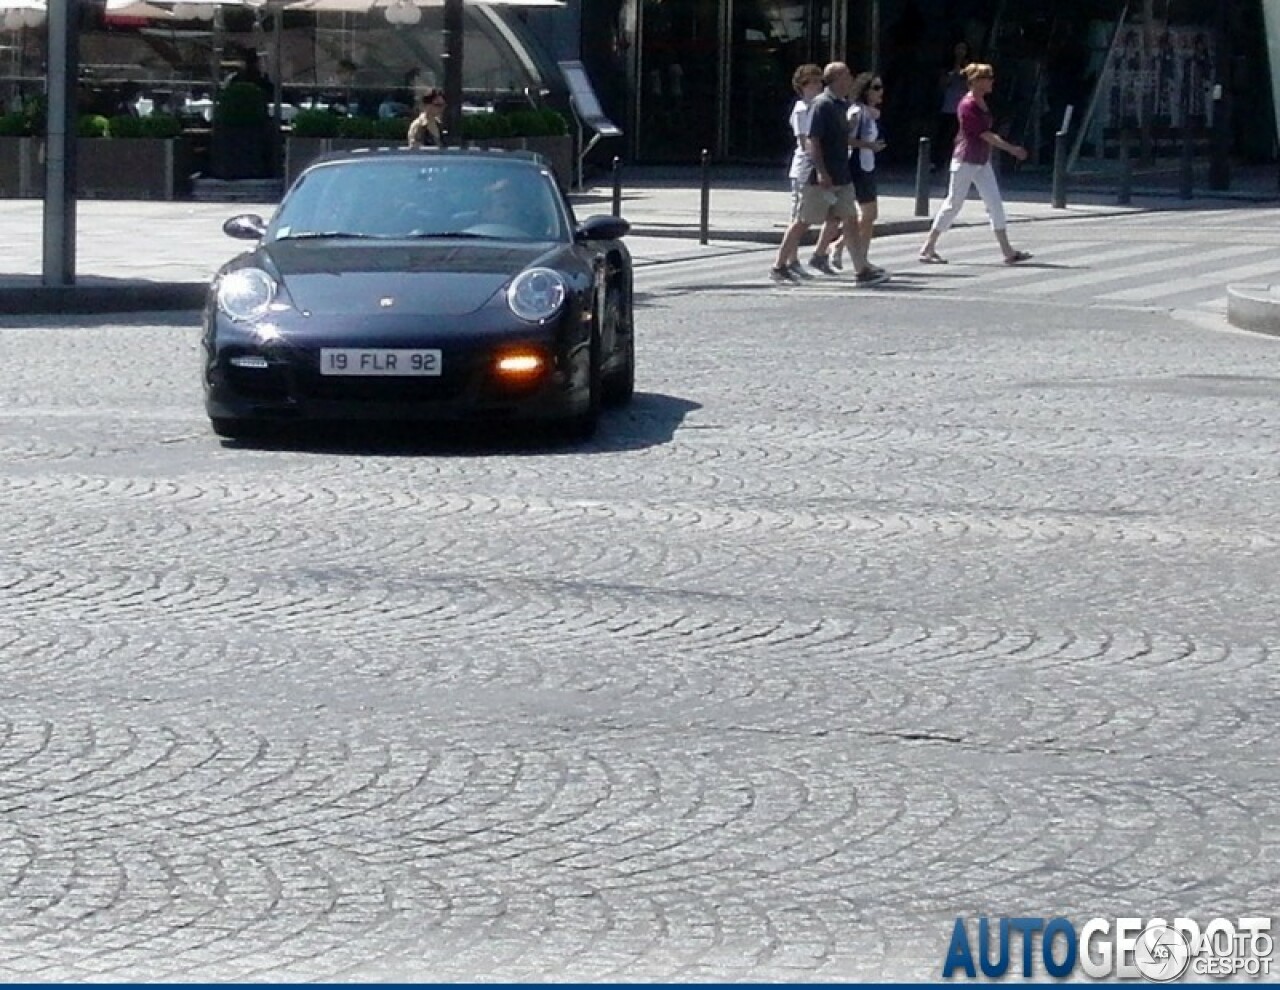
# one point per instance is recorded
(520, 364)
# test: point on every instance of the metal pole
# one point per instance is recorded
(1125, 195)
(59, 260)
(922, 177)
(453, 27)
(1060, 171)
(617, 186)
(1220, 138)
(277, 78)
(706, 197)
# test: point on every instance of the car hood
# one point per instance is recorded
(446, 279)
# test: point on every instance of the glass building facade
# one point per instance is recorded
(354, 61)
(683, 75)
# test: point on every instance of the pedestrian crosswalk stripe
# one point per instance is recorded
(1186, 283)
(1114, 274)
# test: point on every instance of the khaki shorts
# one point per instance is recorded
(797, 196)
(818, 204)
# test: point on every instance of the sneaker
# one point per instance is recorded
(821, 263)
(797, 269)
(783, 275)
(871, 276)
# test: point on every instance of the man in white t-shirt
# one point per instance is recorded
(807, 82)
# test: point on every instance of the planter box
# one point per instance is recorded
(133, 168)
(240, 152)
(557, 150)
(21, 168)
(125, 168)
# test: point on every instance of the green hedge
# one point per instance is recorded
(14, 125)
(160, 125)
(323, 124)
(475, 126)
(394, 129)
(358, 127)
(92, 125)
(314, 123)
(26, 122)
(514, 123)
(478, 126)
(537, 123)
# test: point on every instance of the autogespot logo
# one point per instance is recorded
(1127, 948)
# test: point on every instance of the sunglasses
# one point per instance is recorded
(876, 86)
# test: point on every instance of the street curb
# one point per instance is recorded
(1254, 307)
(120, 297)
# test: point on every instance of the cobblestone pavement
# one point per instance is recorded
(864, 616)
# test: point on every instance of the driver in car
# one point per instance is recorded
(505, 206)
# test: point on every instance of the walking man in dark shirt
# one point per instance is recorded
(830, 193)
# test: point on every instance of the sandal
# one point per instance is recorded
(932, 258)
(1013, 259)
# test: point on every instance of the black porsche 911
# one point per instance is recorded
(415, 285)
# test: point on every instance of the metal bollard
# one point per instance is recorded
(706, 197)
(1060, 171)
(1219, 140)
(923, 154)
(1125, 196)
(617, 186)
(1187, 171)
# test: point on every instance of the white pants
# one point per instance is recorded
(964, 175)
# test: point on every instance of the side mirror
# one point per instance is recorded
(602, 228)
(245, 227)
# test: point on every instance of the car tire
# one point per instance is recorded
(620, 386)
(236, 429)
(582, 426)
(620, 383)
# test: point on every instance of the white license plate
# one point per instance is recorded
(379, 361)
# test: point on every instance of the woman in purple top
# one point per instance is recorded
(971, 166)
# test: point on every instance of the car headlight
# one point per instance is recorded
(246, 294)
(537, 294)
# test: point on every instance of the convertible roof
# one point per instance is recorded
(451, 154)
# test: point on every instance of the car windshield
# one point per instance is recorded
(422, 196)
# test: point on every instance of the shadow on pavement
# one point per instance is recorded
(651, 419)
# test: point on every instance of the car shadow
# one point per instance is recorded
(649, 420)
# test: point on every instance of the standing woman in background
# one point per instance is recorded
(971, 166)
(426, 130)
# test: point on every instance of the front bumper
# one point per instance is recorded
(290, 387)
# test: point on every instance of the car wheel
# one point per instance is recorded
(236, 429)
(620, 386)
(582, 426)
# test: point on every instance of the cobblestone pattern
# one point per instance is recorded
(848, 626)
